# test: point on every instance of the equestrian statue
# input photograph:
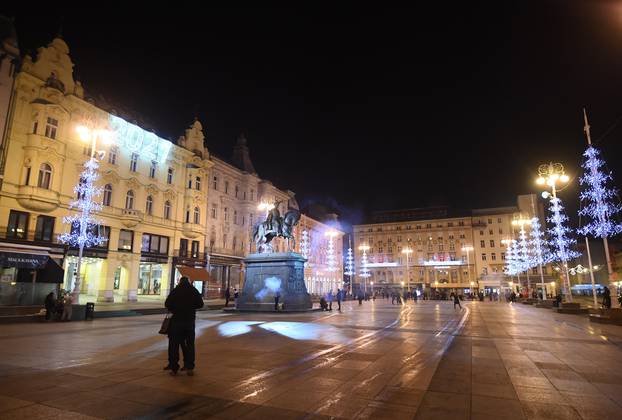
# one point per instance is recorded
(275, 226)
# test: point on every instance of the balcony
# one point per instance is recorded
(131, 217)
(192, 230)
(38, 199)
(184, 256)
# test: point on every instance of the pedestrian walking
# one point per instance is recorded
(457, 301)
(339, 297)
(227, 296)
(182, 302)
(277, 296)
(50, 306)
(236, 294)
(67, 308)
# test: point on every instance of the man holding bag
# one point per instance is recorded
(183, 302)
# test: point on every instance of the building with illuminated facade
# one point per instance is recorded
(452, 251)
(169, 209)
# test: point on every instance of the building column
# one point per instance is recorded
(105, 292)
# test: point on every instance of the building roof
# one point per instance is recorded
(241, 156)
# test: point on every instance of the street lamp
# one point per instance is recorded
(407, 251)
(467, 249)
(551, 174)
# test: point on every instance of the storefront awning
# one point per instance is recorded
(23, 260)
(193, 274)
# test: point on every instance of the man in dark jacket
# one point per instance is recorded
(227, 297)
(50, 306)
(183, 302)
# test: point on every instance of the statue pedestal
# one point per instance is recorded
(271, 272)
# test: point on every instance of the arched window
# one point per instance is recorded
(197, 215)
(235, 242)
(107, 195)
(45, 176)
(129, 200)
(149, 205)
(188, 215)
(167, 209)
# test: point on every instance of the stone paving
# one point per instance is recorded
(424, 361)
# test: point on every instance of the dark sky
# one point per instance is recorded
(370, 108)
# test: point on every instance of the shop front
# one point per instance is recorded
(226, 272)
(150, 277)
(28, 275)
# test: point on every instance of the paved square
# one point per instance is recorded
(425, 360)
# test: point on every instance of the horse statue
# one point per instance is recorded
(275, 226)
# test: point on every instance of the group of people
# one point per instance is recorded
(326, 301)
(58, 308)
(236, 294)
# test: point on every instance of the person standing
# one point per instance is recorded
(67, 308)
(329, 298)
(50, 306)
(606, 298)
(277, 296)
(182, 302)
(235, 298)
(457, 301)
(227, 296)
(339, 293)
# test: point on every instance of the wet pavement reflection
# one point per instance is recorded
(376, 360)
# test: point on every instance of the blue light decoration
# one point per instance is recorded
(599, 207)
(560, 243)
(510, 267)
(364, 271)
(304, 244)
(349, 263)
(524, 255)
(83, 226)
(540, 254)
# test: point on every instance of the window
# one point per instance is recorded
(183, 247)
(45, 175)
(187, 215)
(428, 226)
(481, 233)
(35, 126)
(152, 169)
(50, 128)
(45, 228)
(197, 216)
(500, 231)
(214, 211)
(133, 162)
(244, 221)
(154, 244)
(461, 223)
(215, 183)
(485, 271)
(18, 225)
(126, 237)
(27, 180)
(250, 219)
(244, 195)
(252, 195)
(483, 257)
(492, 243)
(226, 187)
(129, 200)
(237, 191)
(195, 249)
(107, 195)
(169, 176)
(197, 183)
(490, 231)
(498, 220)
(189, 182)
(234, 243)
(149, 205)
(81, 183)
(450, 224)
(493, 256)
(503, 256)
(490, 221)
(95, 230)
(226, 213)
(167, 209)
(482, 244)
(235, 217)
(112, 155)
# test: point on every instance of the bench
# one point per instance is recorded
(572, 308)
(607, 316)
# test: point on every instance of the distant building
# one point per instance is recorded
(436, 237)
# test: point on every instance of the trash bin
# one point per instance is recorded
(90, 311)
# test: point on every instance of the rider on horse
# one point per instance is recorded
(274, 217)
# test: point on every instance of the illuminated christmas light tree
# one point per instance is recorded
(539, 250)
(349, 263)
(304, 244)
(560, 243)
(330, 251)
(83, 226)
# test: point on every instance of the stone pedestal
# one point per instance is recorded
(271, 272)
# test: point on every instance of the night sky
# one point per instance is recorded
(368, 109)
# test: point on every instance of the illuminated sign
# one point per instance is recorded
(386, 264)
(443, 263)
(136, 140)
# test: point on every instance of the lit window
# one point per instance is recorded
(112, 155)
(197, 183)
(45, 175)
(50, 128)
